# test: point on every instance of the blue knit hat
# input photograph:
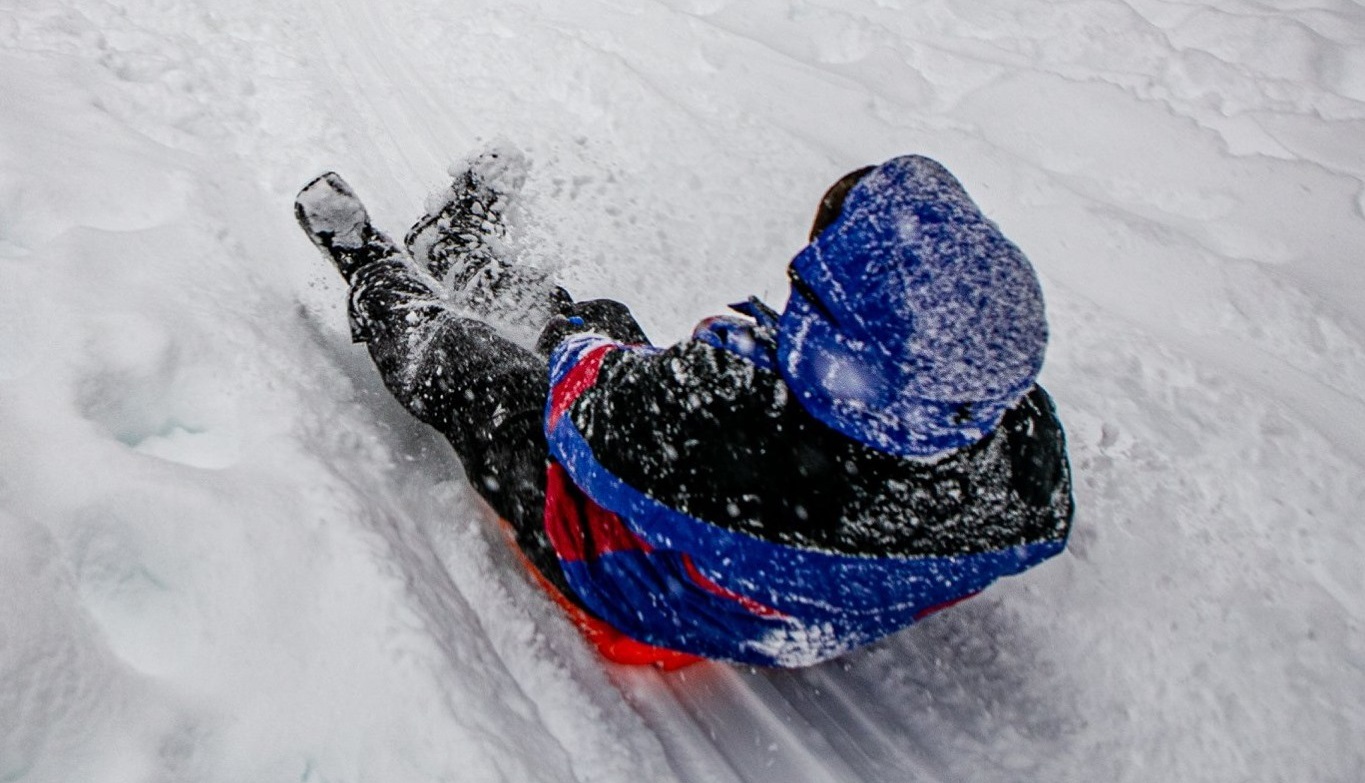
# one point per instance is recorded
(913, 324)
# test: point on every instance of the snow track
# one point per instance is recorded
(226, 554)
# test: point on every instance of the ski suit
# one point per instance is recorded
(780, 488)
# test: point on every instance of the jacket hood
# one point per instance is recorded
(912, 324)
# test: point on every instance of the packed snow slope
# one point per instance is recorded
(226, 554)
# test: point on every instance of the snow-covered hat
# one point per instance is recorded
(913, 324)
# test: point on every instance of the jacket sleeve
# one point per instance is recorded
(584, 346)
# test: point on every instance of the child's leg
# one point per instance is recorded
(485, 394)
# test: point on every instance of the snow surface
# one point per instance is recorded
(227, 555)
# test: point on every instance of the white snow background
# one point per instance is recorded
(227, 555)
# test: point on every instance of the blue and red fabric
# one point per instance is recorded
(675, 582)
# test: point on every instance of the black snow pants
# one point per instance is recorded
(483, 392)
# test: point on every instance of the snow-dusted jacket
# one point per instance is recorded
(781, 489)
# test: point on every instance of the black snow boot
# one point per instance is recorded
(462, 238)
(462, 242)
(332, 216)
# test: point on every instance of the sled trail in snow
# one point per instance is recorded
(228, 555)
